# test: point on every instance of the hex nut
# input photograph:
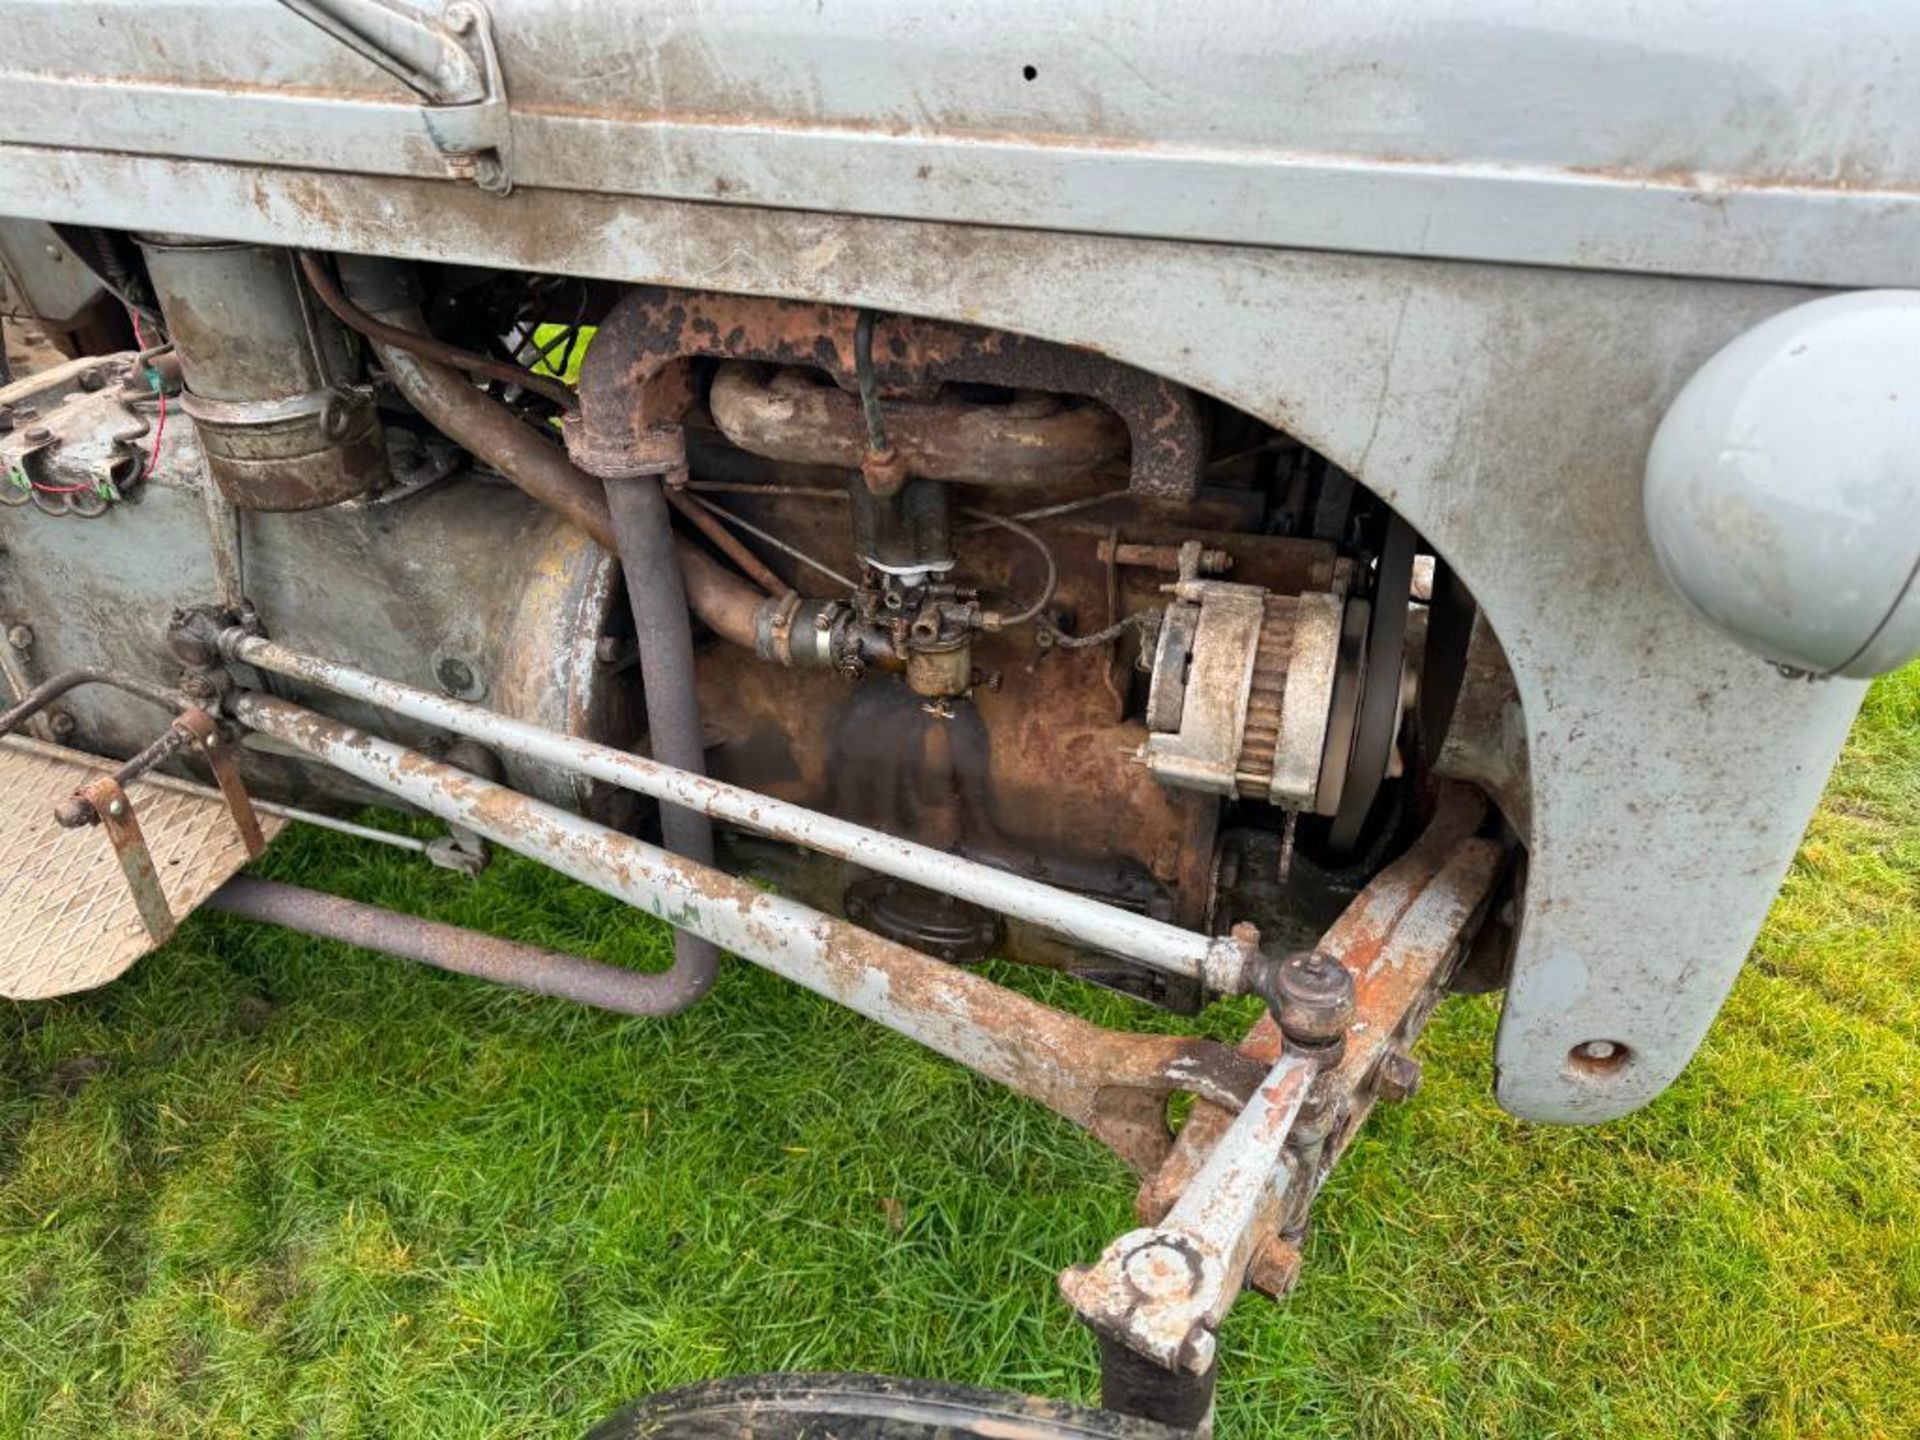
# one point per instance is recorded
(1398, 1077)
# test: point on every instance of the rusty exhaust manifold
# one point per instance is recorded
(635, 380)
(801, 417)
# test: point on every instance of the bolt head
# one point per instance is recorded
(20, 637)
(1398, 1077)
(62, 724)
(116, 808)
(455, 675)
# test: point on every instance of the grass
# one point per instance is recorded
(264, 1186)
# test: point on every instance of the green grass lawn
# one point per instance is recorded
(267, 1186)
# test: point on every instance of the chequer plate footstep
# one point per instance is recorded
(67, 919)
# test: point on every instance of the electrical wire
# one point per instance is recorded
(701, 515)
(869, 383)
(1046, 556)
(1054, 635)
(777, 492)
(1054, 512)
(160, 421)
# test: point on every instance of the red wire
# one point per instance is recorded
(160, 423)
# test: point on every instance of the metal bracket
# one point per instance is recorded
(115, 810)
(204, 732)
(105, 801)
(453, 66)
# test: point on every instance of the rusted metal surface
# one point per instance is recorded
(1163, 557)
(635, 376)
(1113, 1085)
(445, 947)
(268, 381)
(77, 810)
(1215, 960)
(110, 802)
(802, 416)
(48, 691)
(482, 425)
(1398, 965)
(1653, 742)
(1163, 1290)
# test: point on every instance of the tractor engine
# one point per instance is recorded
(995, 594)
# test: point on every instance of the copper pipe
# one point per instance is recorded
(702, 519)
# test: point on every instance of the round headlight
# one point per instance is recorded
(1783, 486)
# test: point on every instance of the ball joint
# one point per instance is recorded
(1311, 996)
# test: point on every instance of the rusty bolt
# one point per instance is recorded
(92, 379)
(1161, 557)
(1275, 1267)
(38, 435)
(62, 725)
(1398, 1077)
(197, 685)
(1599, 1057)
(20, 637)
